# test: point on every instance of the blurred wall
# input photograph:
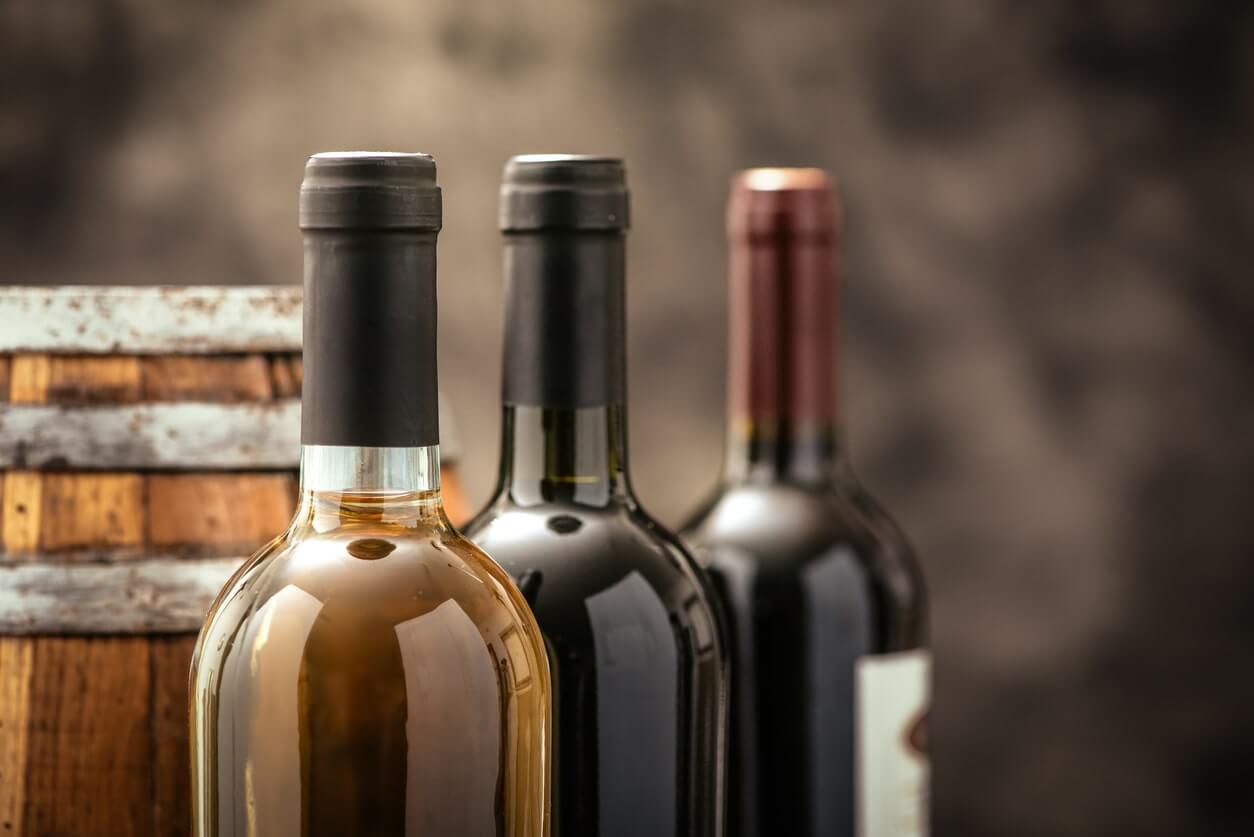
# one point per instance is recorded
(1048, 347)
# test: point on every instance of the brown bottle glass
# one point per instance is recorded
(370, 671)
(821, 592)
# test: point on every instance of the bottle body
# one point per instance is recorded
(635, 656)
(827, 635)
(369, 672)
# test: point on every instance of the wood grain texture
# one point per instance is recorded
(150, 320)
(23, 503)
(15, 683)
(90, 379)
(297, 364)
(88, 748)
(171, 664)
(84, 510)
(285, 376)
(149, 595)
(28, 379)
(143, 436)
(218, 509)
(207, 379)
(118, 471)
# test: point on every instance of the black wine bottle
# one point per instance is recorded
(634, 645)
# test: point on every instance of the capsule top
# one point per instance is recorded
(571, 192)
(370, 190)
(772, 203)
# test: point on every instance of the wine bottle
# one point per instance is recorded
(370, 671)
(634, 644)
(822, 594)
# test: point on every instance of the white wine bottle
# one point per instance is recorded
(370, 672)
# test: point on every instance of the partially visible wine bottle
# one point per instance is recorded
(370, 672)
(825, 601)
(633, 641)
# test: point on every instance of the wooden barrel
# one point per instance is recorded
(149, 440)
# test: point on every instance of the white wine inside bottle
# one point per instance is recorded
(370, 671)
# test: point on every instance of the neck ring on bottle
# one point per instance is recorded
(364, 470)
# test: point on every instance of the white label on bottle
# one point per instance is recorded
(892, 732)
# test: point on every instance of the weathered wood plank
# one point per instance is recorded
(23, 504)
(238, 510)
(297, 364)
(171, 661)
(157, 595)
(15, 676)
(4, 378)
(208, 379)
(181, 435)
(91, 510)
(28, 379)
(91, 379)
(285, 376)
(88, 768)
(150, 320)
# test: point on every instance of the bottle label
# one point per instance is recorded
(893, 694)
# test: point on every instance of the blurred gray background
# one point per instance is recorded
(1049, 344)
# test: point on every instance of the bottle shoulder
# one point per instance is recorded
(598, 576)
(752, 511)
(781, 524)
(621, 530)
(371, 578)
(583, 550)
(761, 544)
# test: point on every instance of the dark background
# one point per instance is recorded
(1048, 343)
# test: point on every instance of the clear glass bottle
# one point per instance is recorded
(370, 671)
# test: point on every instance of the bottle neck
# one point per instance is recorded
(783, 424)
(369, 411)
(370, 339)
(564, 455)
(800, 453)
(564, 430)
(564, 319)
(369, 470)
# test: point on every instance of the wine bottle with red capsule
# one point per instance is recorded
(822, 594)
